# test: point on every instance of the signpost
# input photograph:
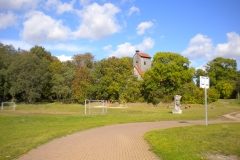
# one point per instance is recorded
(204, 83)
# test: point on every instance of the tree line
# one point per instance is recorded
(37, 76)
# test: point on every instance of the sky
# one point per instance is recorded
(200, 30)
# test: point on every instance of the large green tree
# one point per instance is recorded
(7, 53)
(169, 72)
(62, 81)
(26, 76)
(223, 74)
(220, 69)
(46, 57)
(113, 78)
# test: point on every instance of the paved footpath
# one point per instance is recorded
(115, 142)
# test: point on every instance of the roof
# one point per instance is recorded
(139, 71)
(145, 55)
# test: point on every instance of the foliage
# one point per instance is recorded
(41, 52)
(169, 72)
(7, 52)
(220, 69)
(62, 81)
(198, 73)
(81, 84)
(26, 76)
(83, 60)
(237, 85)
(225, 89)
(37, 76)
(113, 78)
(195, 95)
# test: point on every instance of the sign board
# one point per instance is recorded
(204, 82)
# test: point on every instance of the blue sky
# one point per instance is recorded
(198, 29)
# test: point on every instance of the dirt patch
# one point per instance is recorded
(220, 157)
(37, 112)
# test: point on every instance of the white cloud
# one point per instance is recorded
(59, 6)
(40, 27)
(51, 3)
(64, 58)
(147, 43)
(231, 49)
(7, 20)
(133, 10)
(143, 26)
(84, 2)
(65, 7)
(107, 48)
(98, 21)
(199, 47)
(65, 47)
(127, 49)
(18, 4)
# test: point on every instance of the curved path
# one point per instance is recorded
(118, 142)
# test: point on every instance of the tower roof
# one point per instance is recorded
(144, 55)
(139, 70)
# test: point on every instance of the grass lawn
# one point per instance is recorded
(32, 125)
(196, 142)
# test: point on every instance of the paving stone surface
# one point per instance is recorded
(115, 142)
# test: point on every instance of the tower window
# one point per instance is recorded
(136, 61)
(144, 62)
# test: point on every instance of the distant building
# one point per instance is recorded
(141, 63)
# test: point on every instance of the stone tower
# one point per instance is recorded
(141, 63)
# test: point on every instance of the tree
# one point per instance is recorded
(237, 85)
(46, 57)
(192, 94)
(198, 73)
(83, 60)
(41, 52)
(62, 81)
(81, 84)
(7, 53)
(223, 74)
(169, 72)
(112, 78)
(225, 88)
(26, 76)
(220, 69)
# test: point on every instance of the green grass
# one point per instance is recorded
(194, 142)
(32, 125)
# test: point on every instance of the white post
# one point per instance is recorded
(85, 107)
(102, 107)
(2, 105)
(106, 106)
(204, 83)
(89, 107)
(206, 113)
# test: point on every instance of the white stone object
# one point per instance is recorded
(177, 105)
